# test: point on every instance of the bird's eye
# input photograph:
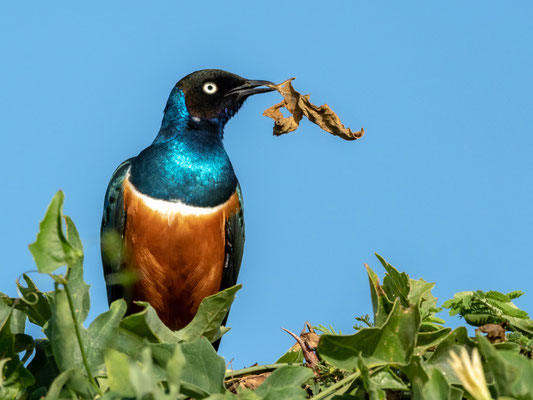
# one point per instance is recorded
(210, 87)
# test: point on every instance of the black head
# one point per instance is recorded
(213, 93)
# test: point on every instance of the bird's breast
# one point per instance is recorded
(176, 250)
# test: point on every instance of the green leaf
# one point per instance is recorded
(62, 335)
(78, 288)
(420, 289)
(74, 381)
(425, 340)
(436, 388)
(73, 236)
(52, 250)
(17, 322)
(118, 372)
(58, 384)
(393, 342)
(147, 324)
(162, 353)
(380, 303)
(385, 378)
(209, 317)
(16, 376)
(296, 357)
(175, 366)
(33, 303)
(441, 356)
(285, 383)
(102, 334)
(205, 370)
(373, 391)
(395, 284)
(512, 373)
(42, 366)
(415, 371)
(523, 325)
(515, 294)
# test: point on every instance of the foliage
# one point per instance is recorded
(401, 351)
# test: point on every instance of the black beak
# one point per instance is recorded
(251, 87)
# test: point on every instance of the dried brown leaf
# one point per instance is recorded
(247, 382)
(299, 105)
(308, 342)
(495, 332)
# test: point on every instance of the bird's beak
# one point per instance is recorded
(251, 87)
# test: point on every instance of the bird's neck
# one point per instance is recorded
(186, 162)
(179, 124)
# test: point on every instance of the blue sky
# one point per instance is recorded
(441, 184)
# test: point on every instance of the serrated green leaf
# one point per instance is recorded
(494, 295)
(420, 289)
(285, 383)
(209, 317)
(515, 294)
(481, 319)
(395, 284)
(393, 342)
(380, 302)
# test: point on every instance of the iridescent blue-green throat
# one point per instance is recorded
(187, 161)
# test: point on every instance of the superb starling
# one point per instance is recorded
(177, 207)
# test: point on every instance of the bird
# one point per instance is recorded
(176, 209)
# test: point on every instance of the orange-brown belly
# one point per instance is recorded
(176, 252)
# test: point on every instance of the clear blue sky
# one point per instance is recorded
(441, 184)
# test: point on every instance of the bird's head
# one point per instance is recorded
(210, 95)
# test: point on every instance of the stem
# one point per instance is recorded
(80, 342)
(333, 388)
(269, 367)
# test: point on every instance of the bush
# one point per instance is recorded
(406, 352)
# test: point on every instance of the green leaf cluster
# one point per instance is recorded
(401, 351)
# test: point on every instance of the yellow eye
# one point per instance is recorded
(210, 87)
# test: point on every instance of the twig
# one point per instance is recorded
(269, 367)
(310, 357)
(80, 342)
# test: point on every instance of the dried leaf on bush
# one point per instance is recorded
(495, 332)
(299, 105)
(246, 382)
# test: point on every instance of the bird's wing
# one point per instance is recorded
(112, 231)
(233, 255)
(234, 246)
